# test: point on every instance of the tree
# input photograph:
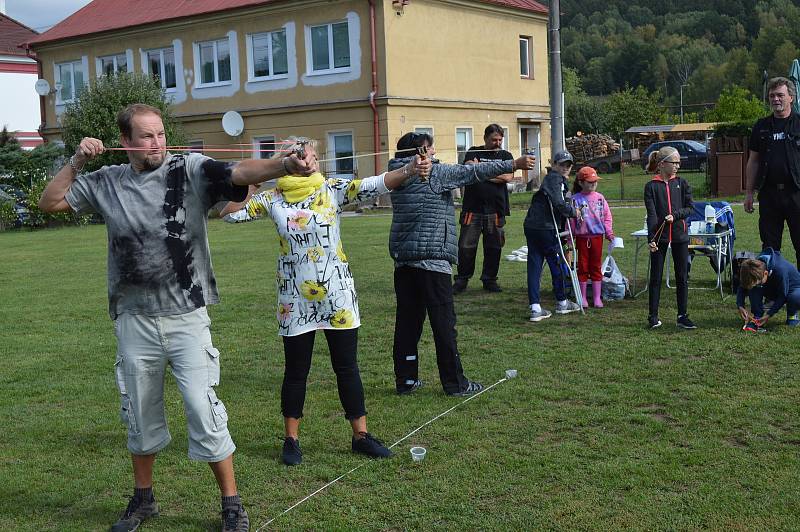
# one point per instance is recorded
(633, 107)
(94, 114)
(736, 104)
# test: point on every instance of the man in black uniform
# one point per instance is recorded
(484, 212)
(774, 168)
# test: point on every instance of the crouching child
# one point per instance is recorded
(772, 277)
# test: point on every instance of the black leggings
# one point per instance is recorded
(343, 346)
(680, 258)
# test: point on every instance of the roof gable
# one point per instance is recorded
(107, 15)
(12, 34)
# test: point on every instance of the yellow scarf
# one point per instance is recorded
(297, 188)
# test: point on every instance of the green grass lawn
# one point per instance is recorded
(608, 425)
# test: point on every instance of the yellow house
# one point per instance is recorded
(354, 74)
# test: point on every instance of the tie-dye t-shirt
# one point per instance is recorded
(315, 284)
(159, 263)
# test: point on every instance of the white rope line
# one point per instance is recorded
(362, 464)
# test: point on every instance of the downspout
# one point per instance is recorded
(42, 99)
(376, 134)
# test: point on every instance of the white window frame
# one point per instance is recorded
(115, 59)
(505, 138)
(424, 129)
(198, 66)
(528, 63)
(310, 52)
(60, 85)
(251, 56)
(331, 148)
(469, 143)
(162, 78)
(257, 153)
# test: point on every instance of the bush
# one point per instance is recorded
(94, 114)
(38, 218)
(8, 217)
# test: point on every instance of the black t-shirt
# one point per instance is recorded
(778, 164)
(486, 197)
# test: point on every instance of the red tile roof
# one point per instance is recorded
(107, 15)
(12, 33)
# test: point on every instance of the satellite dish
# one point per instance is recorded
(232, 123)
(42, 87)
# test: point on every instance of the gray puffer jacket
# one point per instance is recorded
(424, 219)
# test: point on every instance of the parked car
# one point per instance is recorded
(693, 154)
(17, 197)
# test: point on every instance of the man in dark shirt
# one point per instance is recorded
(484, 212)
(773, 168)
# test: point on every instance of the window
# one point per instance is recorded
(270, 58)
(330, 47)
(215, 62)
(340, 147)
(161, 65)
(71, 78)
(112, 64)
(196, 146)
(424, 129)
(525, 63)
(463, 142)
(505, 138)
(263, 147)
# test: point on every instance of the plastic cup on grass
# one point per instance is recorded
(418, 454)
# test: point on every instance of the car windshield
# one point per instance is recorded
(697, 146)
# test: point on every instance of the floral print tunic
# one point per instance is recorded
(315, 284)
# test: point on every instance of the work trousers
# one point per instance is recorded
(473, 225)
(543, 245)
(680, 260)
(776, 206)
(419, 293)
(343, 346)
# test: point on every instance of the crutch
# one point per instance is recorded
(573, 268)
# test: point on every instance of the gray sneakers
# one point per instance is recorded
(539, 315)
(567, 307)
(137, 511)
(235, 519)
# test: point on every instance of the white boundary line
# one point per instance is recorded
(362, 464)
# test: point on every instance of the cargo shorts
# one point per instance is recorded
(146, 345)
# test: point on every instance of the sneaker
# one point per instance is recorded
(460, 285)
(752, 326)
(370, 446)
(567, 307)
(539, 315)
(291, 455)
(653, 322)
(405, 390)
(471, 389)
(492, 286)
(793, 321)
(235, 519)
(685, 323)
(135, 514)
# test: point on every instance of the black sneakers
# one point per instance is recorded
(369, 445)
(492, 286)
(471, 389)
(460, 285)
(235, 519)
(653, 322)
(137, 511)
(405, 390)
(685, 323)
(291, 455)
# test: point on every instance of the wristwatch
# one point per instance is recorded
(77, 169)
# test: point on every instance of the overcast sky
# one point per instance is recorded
(40, 15)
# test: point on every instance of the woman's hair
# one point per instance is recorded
(751, 273)
(659, 156)
(287, 146)
(408, 143)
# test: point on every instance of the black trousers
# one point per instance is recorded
(343, 346)
(419, 293)
(680, 259)
(473, 226)
(774, 208)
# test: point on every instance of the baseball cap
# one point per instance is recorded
(588, 174)
(562, 156)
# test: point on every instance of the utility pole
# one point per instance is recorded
(556, 88)
(682, 86)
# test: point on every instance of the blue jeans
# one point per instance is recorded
(757, 301)
(543, 245)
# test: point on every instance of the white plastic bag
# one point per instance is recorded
(615, 285)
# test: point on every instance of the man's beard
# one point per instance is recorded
(149, 165)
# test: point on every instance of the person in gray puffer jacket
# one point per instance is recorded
(424, 247)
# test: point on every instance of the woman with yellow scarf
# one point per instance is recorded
(316, 288)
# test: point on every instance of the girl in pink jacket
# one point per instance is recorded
(593, 222)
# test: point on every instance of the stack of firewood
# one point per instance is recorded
(587, 147)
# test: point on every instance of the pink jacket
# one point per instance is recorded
(596, 215)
